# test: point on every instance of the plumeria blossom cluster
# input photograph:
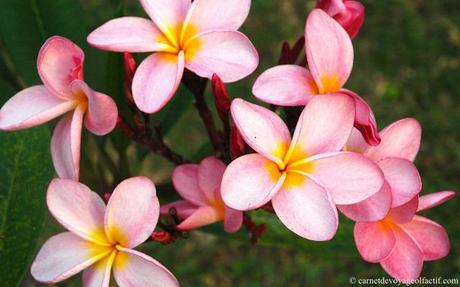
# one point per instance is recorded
(332, 160)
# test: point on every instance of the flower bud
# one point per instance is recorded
(237, 145)
(348, 13)
(162, 237)
(130, 66)
(221, 97)
(285, 56)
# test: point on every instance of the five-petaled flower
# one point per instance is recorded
(349, 14)
(402, 240)
(394, 155)
(201, 36)
(304, 177)
(200, 186)
(101, 238)
(330, 60)
(60, 66)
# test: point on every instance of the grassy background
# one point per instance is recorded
(407, 65)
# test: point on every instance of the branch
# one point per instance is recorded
(197, 86)
(156, 146)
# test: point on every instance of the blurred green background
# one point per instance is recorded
(407, 61)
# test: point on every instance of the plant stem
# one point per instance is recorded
(197, 86)
(156, 146)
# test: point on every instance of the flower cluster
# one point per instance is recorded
(335, 159)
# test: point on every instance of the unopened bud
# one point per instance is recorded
(221, 97)
(237, 144)
(285, 56)
(162, 237)
(130, 66)
(348, 13)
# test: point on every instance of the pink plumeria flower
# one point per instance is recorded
(201, 36)
(102, 239)
(60, 66)
(349, 14)
(402, 241)
(330, 60)
(306, 176)
(394, 155)
(199, 185)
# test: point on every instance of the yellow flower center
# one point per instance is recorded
(108, 250)
(296, 164)
(181, 38)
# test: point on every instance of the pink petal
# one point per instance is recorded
(233, 220)
(329, 52)
(132, 212)
(59, 63)
(324, 126)
(430, 237)
(434, 199)
(102, 110)
(202, 15)
(348, 177)
(405, 260)
(78, 209)
(185, 180)
(168, 15)
(405, 212)
(63, 256)
(132, 268)
(128, 34)
(374, 240)
(403, 178)
(371, 209)
(156, 80)
(210, 173)
(31, 107)
(250, 181)
(228, 54)
(356, 142)
(261, 129)
(204, 215)
(400, 139)
(65, 145)
(98, 274)
(364, 119)
(306, 209)
(183, 208)
(286, 85)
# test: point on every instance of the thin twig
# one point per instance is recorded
(156, 146)
(197, 86)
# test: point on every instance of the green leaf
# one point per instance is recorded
(278, 235)
(25, 170)
(26, 24)
(6, 91)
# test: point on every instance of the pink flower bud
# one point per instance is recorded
(221, 97)
(237, 145)
(348, 13)
(162, 237)
(107, 196)
(130, 66)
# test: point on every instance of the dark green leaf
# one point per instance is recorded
(278, 235)
(6, 91)
(25, 170)
(26, 24)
